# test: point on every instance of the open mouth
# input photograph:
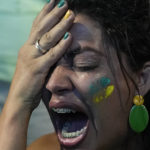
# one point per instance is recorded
(71, 125)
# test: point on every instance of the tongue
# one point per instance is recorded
(73, 122)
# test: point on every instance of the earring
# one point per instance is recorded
(138, 118)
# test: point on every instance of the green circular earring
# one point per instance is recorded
(138, 118)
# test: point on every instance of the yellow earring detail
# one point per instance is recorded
(138, 118)
(138, 100)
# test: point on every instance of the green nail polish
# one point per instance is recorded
(66, 35)
(48, 1)
(61, 3)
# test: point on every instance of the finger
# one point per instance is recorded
(50, 38)
(52, 56)
(46, 9)
(48, 22)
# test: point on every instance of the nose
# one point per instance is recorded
(59, 81)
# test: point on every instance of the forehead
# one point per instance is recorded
(86, 32)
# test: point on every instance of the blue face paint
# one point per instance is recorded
(104, 82)
(93, 89)
(99, 85)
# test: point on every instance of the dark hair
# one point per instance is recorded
(126, 28)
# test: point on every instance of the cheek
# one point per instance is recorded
(101, 89)
(95, 88)
(82, 82)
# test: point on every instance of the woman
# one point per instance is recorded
(91, 66)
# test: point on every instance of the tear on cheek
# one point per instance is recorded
(101, 89)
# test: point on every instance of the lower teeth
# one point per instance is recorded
(66, 134)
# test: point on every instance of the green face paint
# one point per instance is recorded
(99, 85)
(101, 89)
(104, 82)
(93, 89)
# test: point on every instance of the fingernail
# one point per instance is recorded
(68, 13)
(61, 3)
(48, 1)
(66, 35)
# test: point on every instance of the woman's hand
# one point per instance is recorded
(33, 66)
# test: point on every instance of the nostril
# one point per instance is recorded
(62, 91)
(57, 89)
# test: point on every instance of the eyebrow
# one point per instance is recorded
(79, 50)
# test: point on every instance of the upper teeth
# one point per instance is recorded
(63, 110)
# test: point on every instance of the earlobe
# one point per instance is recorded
(144, 82)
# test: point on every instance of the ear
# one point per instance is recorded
(144, 79)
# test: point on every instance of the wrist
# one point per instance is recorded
(26, 91)
(14, 122)
(15, 110)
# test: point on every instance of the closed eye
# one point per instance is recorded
(84, 68)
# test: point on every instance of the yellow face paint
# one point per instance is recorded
(96, 100)
(102, 90)
(109, 91)
(106, 93)
(98, 97)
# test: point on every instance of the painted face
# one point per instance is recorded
(101, 89)
(88, 105)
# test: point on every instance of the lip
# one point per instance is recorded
(78, 106)
(67, 104)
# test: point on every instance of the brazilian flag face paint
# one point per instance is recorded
(101, 89)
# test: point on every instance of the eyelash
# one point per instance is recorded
(85, 68)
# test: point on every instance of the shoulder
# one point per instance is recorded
(46, 142)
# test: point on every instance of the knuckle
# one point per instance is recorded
(47, 40)
(60, 29)
(57, 16)
(38, 29)
(52, 53)
(48, 37)
(60, 45)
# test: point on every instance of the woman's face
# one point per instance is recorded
(88, 106)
